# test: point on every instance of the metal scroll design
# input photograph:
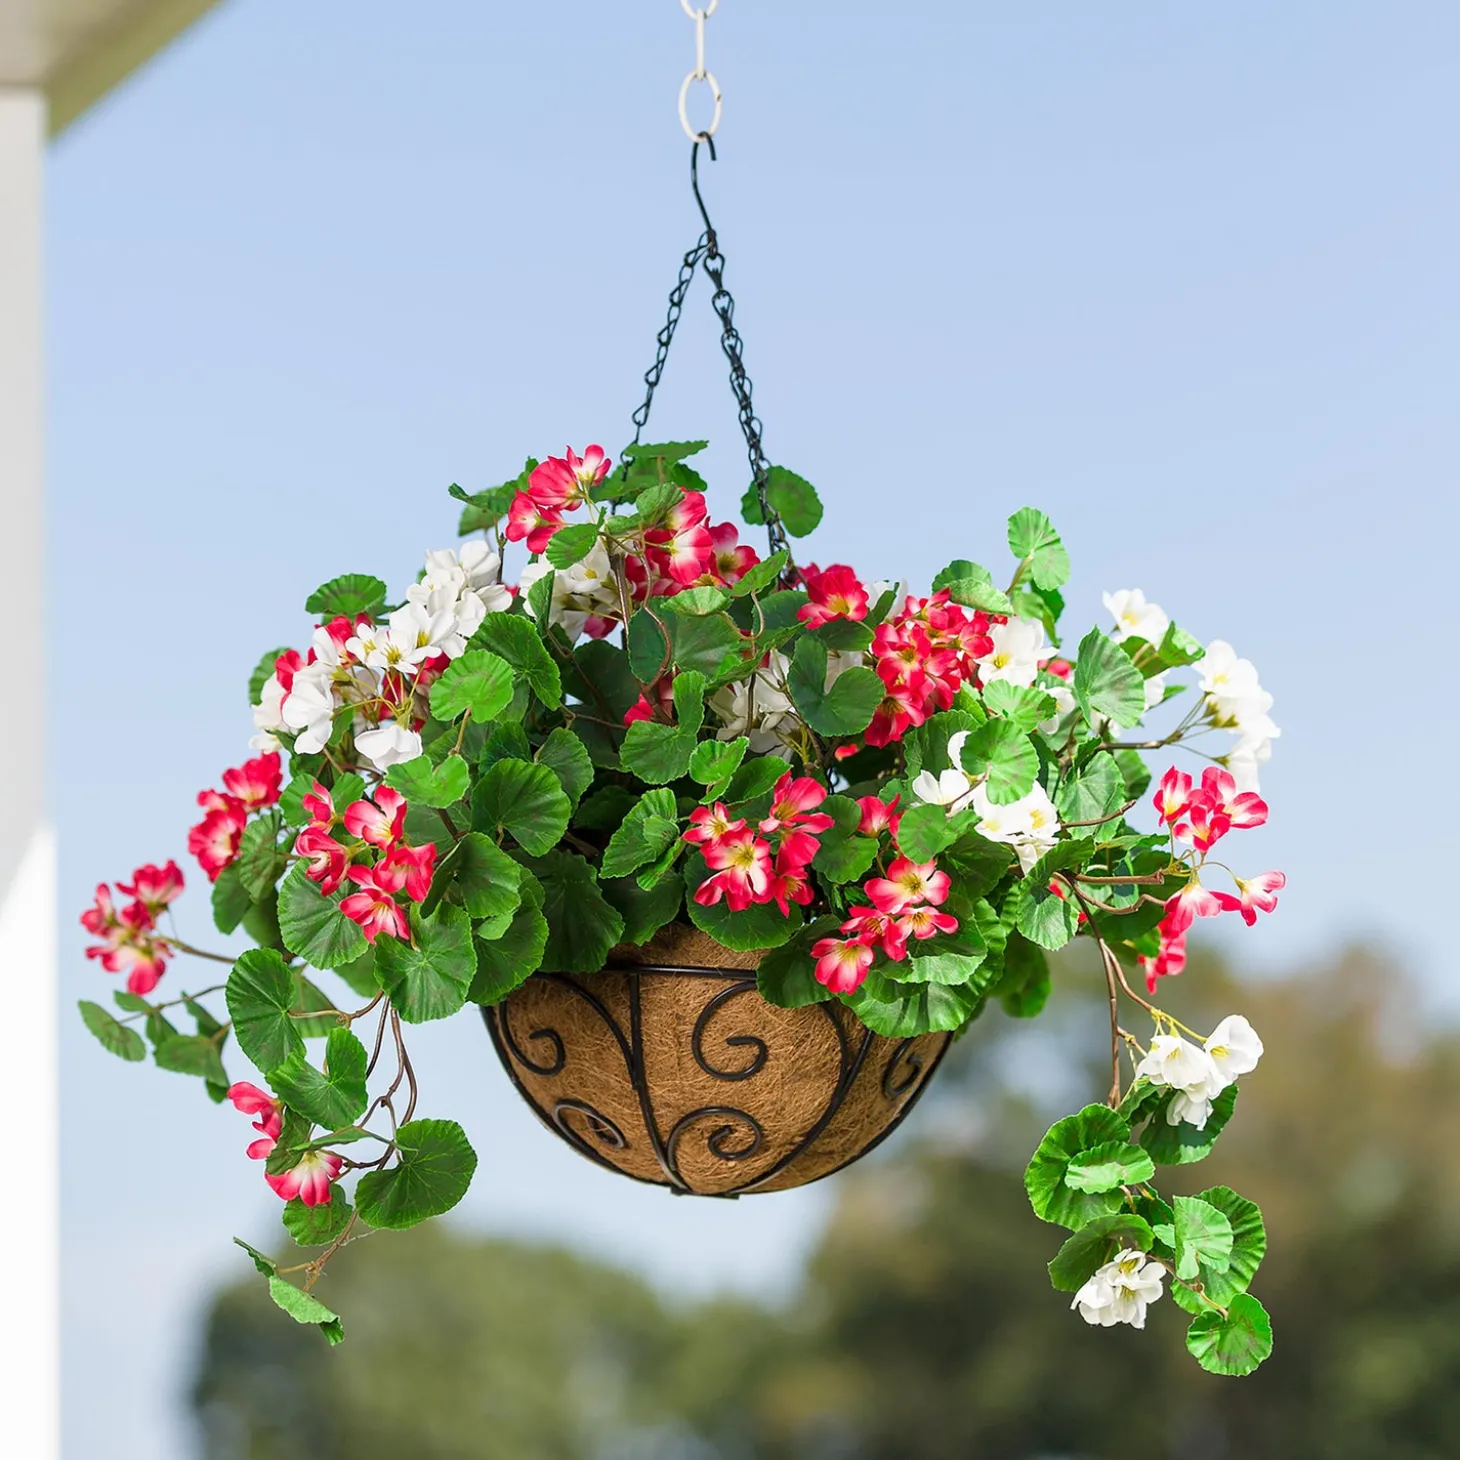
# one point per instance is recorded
(728, 1134)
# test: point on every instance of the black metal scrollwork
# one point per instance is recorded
(598, 1124)
(718, 1142)
(733, 1041)
(895, 1085)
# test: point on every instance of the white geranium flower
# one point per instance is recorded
(1237, 702)
(388, 745)
(1134, 617)
(268, 716)
(950, 788)
(1030, 825)
(1234, 1048)
(1018, 647)
(579, 593)
(310, 708)
(1176, 1062)
(1121, 1291)
(1065, 702)
(757, 707)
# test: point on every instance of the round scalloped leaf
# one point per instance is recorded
(435, 1170)
(1066, 1140)
(1203, 1238)
(1234, 1343)
(1108, 1166)
(1249, 1247)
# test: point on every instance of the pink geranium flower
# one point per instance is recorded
(309, 1180)
(926, 922)
(1192, 902)
(683, 549)
(841, 964)
(566, 482)
(1173, 796)
(878, 815)
(154, 887)
(380, 822)
(708, 824)
(1255, 895)
(325, 859)
(526, 519)
(412, 866)
(250, 1100)
(788, 883)
(214, 840)
(907, 884)
(373, 907)
(1243, 810)
(730, 559)
(877, 930)
(741, 862)
(1170, 959)
(832, 593)
(255, 784)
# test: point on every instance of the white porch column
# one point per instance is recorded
(29, 1207)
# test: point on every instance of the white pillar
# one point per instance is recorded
(29, 1209)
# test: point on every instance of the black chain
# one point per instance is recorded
(706, 254)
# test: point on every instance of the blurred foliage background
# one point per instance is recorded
(924, 1328)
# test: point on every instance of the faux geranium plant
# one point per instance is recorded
(907, 801)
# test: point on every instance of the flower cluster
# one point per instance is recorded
(375, 829)
(1235, 701)
(904, 904)
(766, 863)
(933, 647)
(1198, 816)
(378, 673)
(130, 942)
(1121, 1290)
(1199, 1075)
(251, 787)
(310, 1178)
(560, 484)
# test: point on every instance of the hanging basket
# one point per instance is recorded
(669, 1067)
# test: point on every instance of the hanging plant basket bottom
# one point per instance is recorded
(669, 1067)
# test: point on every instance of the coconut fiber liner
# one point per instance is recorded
(669, 1067)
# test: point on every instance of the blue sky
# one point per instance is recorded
(1183, 277)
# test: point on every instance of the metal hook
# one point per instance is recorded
(694, 181)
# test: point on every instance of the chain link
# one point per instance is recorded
(700, 73)
(706, 254)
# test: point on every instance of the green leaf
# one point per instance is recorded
(844, 637)
(1109, 1165)
(304, 1307)
(1234, 1343)
(648, 648)
(312, 925)
(565, 755)
(261, 1260)
(1094, 791)
(511, 959)
(658, 753)
(1179, 1145)
(1041, 914)
(760, 926)
(192, 1054)
(716, 760)
(525, 800)
(1032, 539)
(514, 638)
(786, 976)
(902, 1010)
(259, 995)
(1203, 1237)
(760, 577)
(310, 1000)
(478, 681)
(696, 602)
(1022, 705)
(115, 1036)
(425, 784)
(434, 1172)
(1106, 682)
(347, 595)
(260, 858)
(979, 593)
(1249, 1247)
(925, 831)
(791, 497)
(1064, 1143)
(478, 875)
(582, 924)
(847, 708)
(979, 863)
(359, 974)
(644, 909)
(663, 453)
(711, 645)
(428, 978)
(1093, 1246)
(569, 545)
(333, 1098)
(649, 828)
(960, 568)
(844, 855)
(318, 1226)
(1007, 755)
(1025, 987)
(230, 900)
(263, 671)
(755, 778)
